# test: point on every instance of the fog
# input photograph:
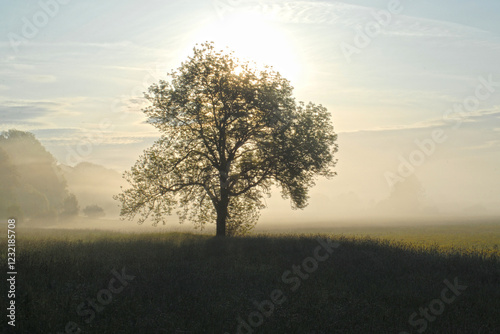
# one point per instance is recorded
(360, 194)
(376, 184)
(94, 184)
(452, 182)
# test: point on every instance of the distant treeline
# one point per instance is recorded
(31, 183)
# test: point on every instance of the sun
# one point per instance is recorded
(254, 37)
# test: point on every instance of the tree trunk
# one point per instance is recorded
(221, 216)
(224, 192)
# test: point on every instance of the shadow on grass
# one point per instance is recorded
(188, 283)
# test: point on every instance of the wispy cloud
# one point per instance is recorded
(30, 113)
(84, 47)
(486, 145)
(42, 78)
(477, 116)
(74, 136)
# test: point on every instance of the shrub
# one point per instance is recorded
(94, 211)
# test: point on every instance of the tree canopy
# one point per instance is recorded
(229, 132)
(8, 182)
(31, 184)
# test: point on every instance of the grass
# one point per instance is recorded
(191, 283)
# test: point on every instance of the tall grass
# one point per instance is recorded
(199, 284)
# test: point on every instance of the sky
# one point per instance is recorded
(413, 87)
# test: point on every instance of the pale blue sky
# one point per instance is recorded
(76, 80)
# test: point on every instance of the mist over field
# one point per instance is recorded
(356, 196)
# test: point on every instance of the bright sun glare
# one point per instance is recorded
(253, 37)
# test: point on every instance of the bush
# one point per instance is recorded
(94, 211)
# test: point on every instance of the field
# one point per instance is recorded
(431, 279)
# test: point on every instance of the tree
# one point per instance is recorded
(70, 206)
(228, 133)
(8, 183)
(40, 187)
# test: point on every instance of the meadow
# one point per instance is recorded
(432, 279)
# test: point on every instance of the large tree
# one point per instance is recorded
(229, 132)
